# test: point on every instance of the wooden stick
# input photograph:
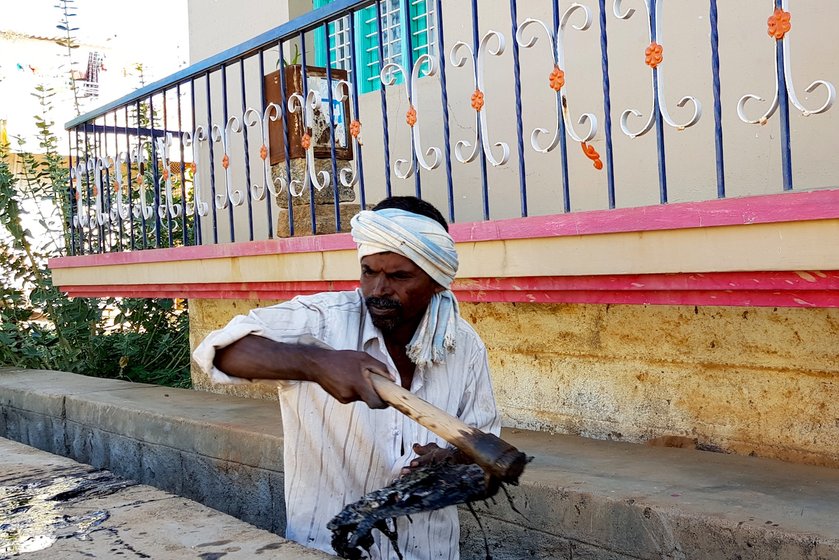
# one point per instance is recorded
(497, 457)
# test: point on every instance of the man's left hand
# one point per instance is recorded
(432, 454)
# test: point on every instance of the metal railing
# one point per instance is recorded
(230, 149)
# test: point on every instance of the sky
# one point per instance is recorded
(153, 33)
(159, 26)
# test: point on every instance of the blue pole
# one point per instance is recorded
(305, 88)
(783, 105)
(659, 122)
(445, 102)
(409, 65)
(225, 115)
(246, 148)
(479, 139)
(212, 163)
(269, 202)
(383, 97)
(287, 139)
(715, 70)
(331, 112)
(519, 128)
(607, 105)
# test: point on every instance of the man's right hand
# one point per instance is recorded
(344, 374)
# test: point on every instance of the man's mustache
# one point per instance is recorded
(382, 303)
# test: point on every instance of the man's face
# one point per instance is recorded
(396, 290)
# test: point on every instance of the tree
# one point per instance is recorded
(69, 42)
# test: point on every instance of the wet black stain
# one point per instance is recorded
(31, 509)
(215, 543)
(272, 546)
(211, 555)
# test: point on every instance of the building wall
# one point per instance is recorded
(743, 380)
(752, 152)
(747, 380)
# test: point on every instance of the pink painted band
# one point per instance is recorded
(775, 208)
(772, 289)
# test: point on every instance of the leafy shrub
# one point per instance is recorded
(144, 340)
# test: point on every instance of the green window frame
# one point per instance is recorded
(422, 28)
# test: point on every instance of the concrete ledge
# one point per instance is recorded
(578, 499)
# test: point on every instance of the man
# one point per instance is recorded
(404, 324)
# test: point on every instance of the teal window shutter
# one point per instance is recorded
(368, 65)
(367, 50)
(320, 47)
(421, 27)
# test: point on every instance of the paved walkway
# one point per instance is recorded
(52, 507)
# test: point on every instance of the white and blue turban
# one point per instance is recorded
(428, 245)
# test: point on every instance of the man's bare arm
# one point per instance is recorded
(344, 374)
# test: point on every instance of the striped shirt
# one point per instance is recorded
(335, 453)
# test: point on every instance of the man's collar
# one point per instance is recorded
(368, 330)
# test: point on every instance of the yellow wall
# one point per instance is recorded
(758, 247)
(757, 381)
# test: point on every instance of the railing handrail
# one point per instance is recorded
(305, 22)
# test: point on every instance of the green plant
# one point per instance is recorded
(69, 42)
(142, 340)
(295, 58)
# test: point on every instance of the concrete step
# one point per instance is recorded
(579, 498)
(54, 507)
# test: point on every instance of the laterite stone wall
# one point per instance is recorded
(760, 381)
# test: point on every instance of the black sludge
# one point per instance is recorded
(424, 489)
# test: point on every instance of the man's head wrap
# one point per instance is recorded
(427, 244)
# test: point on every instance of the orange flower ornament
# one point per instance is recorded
(556, 79)
(478, 100)
(654, 55)
(779, 24)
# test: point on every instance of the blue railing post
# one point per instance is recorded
(355, 76)
(225, 115)
(479, 139)
(607, 106)
(286, 137)
(72, 197)
(269, 202)
(247, 153)
(659, 121)
(212, 159)
(519, 128)
(444, 98)
(184, 220)
(407, 33)
(383, 98)
(305, 88)
(783, 109)
(715, 73)
(335, 183)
